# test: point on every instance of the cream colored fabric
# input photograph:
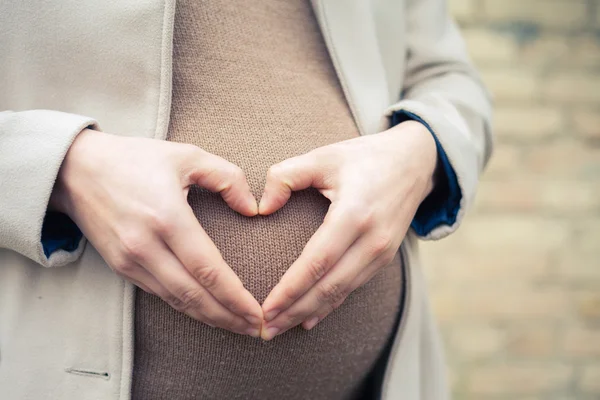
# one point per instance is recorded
(27, 177)
(111, 61)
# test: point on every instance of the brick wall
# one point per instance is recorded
(517, 288)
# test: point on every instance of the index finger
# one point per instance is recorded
(328, 244)
(197, 252)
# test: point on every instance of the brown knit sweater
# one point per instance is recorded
(253, 83)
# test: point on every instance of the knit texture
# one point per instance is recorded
(254, 83)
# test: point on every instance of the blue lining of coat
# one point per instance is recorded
(59, 232)
(442, 205)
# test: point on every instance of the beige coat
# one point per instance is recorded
(66, 322)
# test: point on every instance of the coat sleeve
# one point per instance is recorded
(443, 91)
(33, 145)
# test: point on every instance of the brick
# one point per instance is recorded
(476, 342)
(563, 159)
(587, 305)
(587, 124)
(509, 84)
(574, 197)
(462, 10)
(585, 51)
(576, 267)
(528, 123)
(545, 50)
(590, 379)
(514, 233)
(532, 342)
(570, 87)
(518, 379)
(544, 196)
(582, 342)
(579, 262)
(490, 46)
(444, 304)
(506, 161)
(496, 302)
(458, 266)
(453, 379)
(547, 13)
(588, 235)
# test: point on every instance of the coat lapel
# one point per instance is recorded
(350, 35)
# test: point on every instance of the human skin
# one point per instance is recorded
(129, 198)
(375, 184)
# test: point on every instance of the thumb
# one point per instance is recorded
(221, 176)
(293, 174)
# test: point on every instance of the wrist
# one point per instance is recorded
(61, 193)
(424, 147)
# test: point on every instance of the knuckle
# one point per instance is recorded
(123, 268)
(360, 216)
(134, 245)
(387, 258)
(330, 293)
(380, 244)
(365, 219)
(233, 303)
(162, 222)
(290, 294)
(159, 216)
(338, 304)
(207, 276)
(187, 299)
(227, 322)
(318, 266)
(172, 300)
(292, 319)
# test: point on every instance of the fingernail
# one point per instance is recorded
(254, 207)
(270, 333)
(311, 323)
(271, 315)
(254, 332)
(252, 319)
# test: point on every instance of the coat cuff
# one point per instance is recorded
(442, 205)
(453, 138)
(34, 145)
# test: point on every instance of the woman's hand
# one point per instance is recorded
(375, 184)
(129, 198)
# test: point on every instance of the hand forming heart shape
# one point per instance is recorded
(129, 198)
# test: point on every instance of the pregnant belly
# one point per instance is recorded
(328, 362)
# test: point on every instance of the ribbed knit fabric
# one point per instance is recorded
(253, 83)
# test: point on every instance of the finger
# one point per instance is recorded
(141, 286)
(363, 277)
(134, 273)
(293, 174)
(199, 255)
(185, 294)
(320, 315)
(219, 175)
(329, 291)
(147, 281)
(325, 248)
